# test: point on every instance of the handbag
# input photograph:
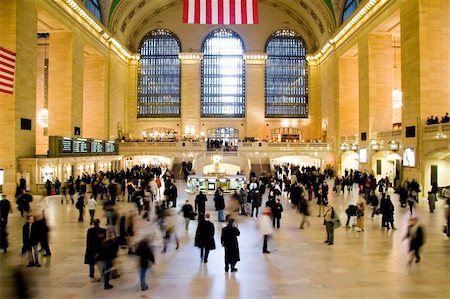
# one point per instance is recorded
(336, 221)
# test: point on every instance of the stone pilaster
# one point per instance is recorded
(190, 92)
(254, 98)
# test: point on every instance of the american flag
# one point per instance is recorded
(220, 11)
(7, 65)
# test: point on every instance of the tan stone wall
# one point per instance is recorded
(348, 111)
(94, 99)
(16, 16)
(60, 84)
(117, 75)
(328, 97)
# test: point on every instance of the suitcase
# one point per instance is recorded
(248, 208)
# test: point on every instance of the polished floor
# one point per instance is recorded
(369, 264)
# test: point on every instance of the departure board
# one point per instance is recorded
(110, 147)
(97, 146)
(65, 146)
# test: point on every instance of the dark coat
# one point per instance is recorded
(204, 236)
(416, 242)
(145, 253)
(303, 207)
(200, 201)
(387, 209)
(219, 202)
(230, 243)
(30, 239)
(94, 240)
(276, 212)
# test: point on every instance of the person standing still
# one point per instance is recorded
(329, 225)
(200, 203)
(219, 203)
(94, 239)
(230, 243)
(30, 241)
(204, 237)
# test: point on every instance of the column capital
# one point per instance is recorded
(253, 57)
(190, 58)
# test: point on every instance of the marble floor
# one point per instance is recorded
(369, 264)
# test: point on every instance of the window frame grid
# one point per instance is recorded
(163, 71)
(280, 71)
(211, 97)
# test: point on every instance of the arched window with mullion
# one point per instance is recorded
(223, 75)
(286, 77)
(94, 7)
(349, 7)
(159, 75)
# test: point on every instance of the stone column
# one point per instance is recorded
(190, 92)
(94, 97)
(19, 23)
(131, 103)
(254, 125)
(65, 84)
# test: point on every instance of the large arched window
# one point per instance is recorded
(286, 76)
(159, 75)
(349, 7)
(223, 75)
(94, 7)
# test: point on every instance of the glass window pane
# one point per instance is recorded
(159, 75)
(286, 77)
(223, 75)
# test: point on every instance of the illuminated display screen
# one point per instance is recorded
(96, 146)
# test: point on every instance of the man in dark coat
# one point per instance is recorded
(173, 195)
(219, 204)
(95, 237)
(230, 243)
(200, 203)
(204, 237)
(255, 200)
(145, 253)
(5, 209)
(30, 241)
(43, 230)
(107, 254)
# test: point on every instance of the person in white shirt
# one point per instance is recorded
(91, 205)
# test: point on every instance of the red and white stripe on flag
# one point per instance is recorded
(7, 66)
(220, 11)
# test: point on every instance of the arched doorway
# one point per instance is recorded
(387, 163)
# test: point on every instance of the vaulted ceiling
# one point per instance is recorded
(130, 20)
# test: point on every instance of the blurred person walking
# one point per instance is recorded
(415, 234)
(188, 213)
(304, 211)
(266, 227)
(80, 206)
(107, 254)
(145, 253)
(360, 210)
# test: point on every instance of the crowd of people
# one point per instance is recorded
(433, 120)
(302, 186)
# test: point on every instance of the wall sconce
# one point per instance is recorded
(393, 145)
(343, 146)
(375, 146)
(354, 146)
